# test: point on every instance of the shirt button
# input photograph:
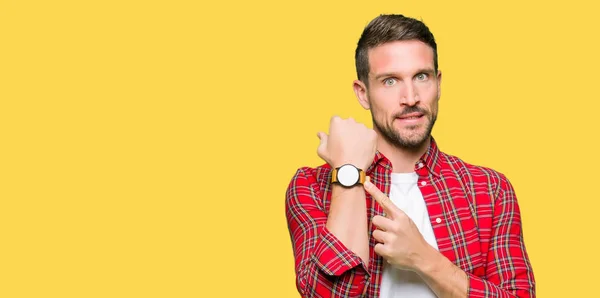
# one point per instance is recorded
(423, 183)
(420, 165)
(438, 220)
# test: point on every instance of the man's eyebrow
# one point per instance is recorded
(385, 74)
(426, 70)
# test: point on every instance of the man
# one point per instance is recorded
(389, 214)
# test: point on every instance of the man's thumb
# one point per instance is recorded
(323, 145)
(323, 137)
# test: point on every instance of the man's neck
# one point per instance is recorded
(403, 159)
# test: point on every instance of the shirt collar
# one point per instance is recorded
(430, 160)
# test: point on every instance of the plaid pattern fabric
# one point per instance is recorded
(473, 211)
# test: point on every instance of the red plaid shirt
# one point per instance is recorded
(473, 211)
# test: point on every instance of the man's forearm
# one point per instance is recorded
(443, 277)
(347, 219)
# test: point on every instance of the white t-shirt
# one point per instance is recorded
(405, 194)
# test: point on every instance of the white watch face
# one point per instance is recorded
(347, 175)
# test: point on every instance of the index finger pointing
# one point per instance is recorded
(383, 200)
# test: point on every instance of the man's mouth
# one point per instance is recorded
(411, 116)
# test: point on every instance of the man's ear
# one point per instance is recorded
(360, 89)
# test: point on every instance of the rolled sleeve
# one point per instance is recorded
(334, 258)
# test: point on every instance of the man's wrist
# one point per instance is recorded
(442, 276)
(348, 175)
(429, 261)
(358, 165)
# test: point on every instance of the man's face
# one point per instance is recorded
(403, 92)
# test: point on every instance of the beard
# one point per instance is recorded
(415, 135)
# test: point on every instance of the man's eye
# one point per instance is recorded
(389, 82)
(421, 77)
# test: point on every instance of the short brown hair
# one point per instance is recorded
(388, 28)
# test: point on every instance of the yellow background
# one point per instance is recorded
(146, 146)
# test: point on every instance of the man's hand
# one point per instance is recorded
(400, 242)
(348, 142)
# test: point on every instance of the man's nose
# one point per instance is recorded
(410, 97)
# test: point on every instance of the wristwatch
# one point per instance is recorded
(348, 175)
